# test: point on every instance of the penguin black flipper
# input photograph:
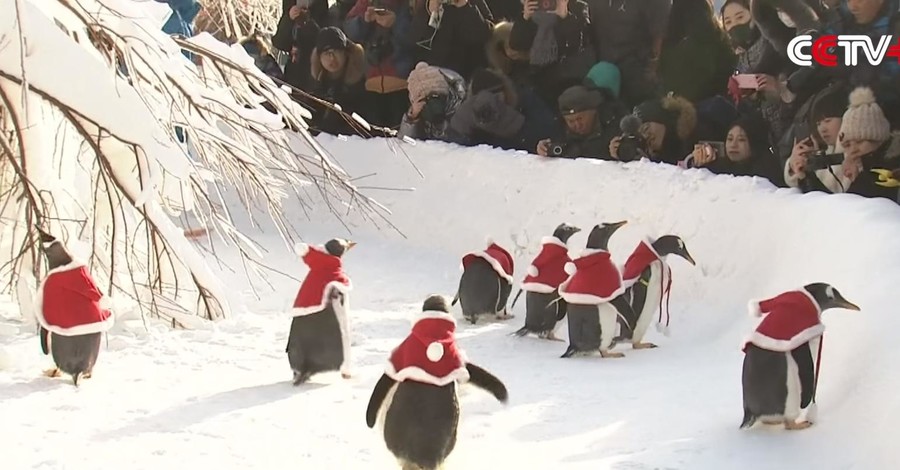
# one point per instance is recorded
(487, 381)
(516, 299)
(626, 313)
(561, 308)
(805, 369)
(378, 394)
(45, 341)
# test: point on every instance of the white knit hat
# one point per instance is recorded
(864, 119)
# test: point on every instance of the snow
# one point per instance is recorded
(219, 396)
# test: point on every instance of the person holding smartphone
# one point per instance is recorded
(817, 175)
(296, 35)
(745, 152)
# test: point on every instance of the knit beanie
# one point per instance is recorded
(864, 119)
(830, 105)
(331, 38)
(578, 98)
(605, 75)
(424, 80)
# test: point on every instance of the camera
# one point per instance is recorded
(435, 109)
(632, 147)
(821, 160)
(556, 149)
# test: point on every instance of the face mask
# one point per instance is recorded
(742, 36)
(786, 20)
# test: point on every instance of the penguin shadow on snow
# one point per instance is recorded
(37, 384)
(199, 409)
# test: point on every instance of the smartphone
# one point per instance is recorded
(546, 5)
(717, 147)
(747, 81)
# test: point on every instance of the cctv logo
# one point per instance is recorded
(823, 50)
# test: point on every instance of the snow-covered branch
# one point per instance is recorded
(143, 135)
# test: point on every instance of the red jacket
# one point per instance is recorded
(595, 279)
(791, 319)
(325, 271)
(69, 302)
(548, 269)
(429, 354)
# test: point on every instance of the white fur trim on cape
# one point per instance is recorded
(434, 352)
(433, 314)
(591, 251)
(488, 240)
(537, 287)
(779, 345)
(417, 374)
(753, 309)
(570, 268)
(301, 249)
(590, 299)
(96, 327)
(551, 240)
(344, 289)
(533, 270)
(494, 264)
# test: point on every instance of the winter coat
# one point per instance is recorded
(388, 52)
(829, 180)
(538, 123)
(886, 157)
(458, 43)
(182, 19)
(575, 52)
(697, 58)
(348, 91)
(301, 35)
(424, 130)
(504, 10)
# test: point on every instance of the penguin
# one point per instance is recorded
(546, 273)
(781, 357)
(649, 279)
(71, 313)
(415, 401)
(593, 292)
(486, 283)
(319, 340)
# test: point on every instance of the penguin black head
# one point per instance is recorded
(828, 297)
(565, 231)
(338, 246)
(600, 235)
(436, 303)
(53, 249)
(672, 245)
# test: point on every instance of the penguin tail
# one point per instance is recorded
(76, 378)
(569, 352)
(521, 332)
(749, 419)
(455, 299)
(515, 300)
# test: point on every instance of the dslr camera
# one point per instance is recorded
(556, 149)
(632, 147)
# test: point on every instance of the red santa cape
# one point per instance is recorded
(791, 319)
(325, 271)
(548, 269)
(429, 354)
(594, 279)
(69, 303)
(642, 256)
(497, 256)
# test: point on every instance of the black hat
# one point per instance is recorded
(331, 38)
(829, 105)
(579, 98)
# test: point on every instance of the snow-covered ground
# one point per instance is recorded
(220, 397)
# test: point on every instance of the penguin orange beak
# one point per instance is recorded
(689, 258)
(350, 245)
(844, 303)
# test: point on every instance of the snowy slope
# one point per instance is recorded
(220, 397)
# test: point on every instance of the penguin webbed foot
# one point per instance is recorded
(52, 373)
(610, 355)
(643, 345)
(792, 425)
(378, 394)
(301, 377)
(487, 382)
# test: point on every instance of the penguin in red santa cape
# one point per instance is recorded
(486, 283)
(546, 273)
(782, 356)
(319, 340)
(593, 292)
(415, 401)
(70, 310)
(648, 279)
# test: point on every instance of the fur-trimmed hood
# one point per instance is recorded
(496, 48)
(355, 68)
(685, 115)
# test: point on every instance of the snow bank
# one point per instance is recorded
(749, 238)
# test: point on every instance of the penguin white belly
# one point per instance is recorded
(341, 306)
(608, 320)
(651, 301)
(792, 399)
(385, 406)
